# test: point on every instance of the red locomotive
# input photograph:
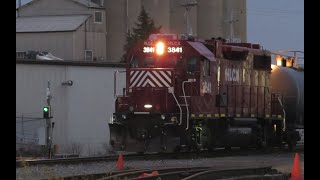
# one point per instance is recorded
(194, 94)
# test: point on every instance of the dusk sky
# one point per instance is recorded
(275, 24)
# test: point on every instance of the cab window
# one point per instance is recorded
(134, 63)
(191, 64)
(206, 67)
(149, 62)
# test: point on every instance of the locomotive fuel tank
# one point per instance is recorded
(289, 83)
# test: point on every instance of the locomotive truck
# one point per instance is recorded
(185, 93)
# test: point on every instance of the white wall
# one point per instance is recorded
(81, 112)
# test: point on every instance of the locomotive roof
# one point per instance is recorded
(203, 50)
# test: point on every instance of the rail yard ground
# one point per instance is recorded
(281, 161)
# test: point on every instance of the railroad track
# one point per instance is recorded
(151, 156)
(187, 173)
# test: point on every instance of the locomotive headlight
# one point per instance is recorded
(147, 106)
(163, 117)
(160, 48)
(124, 117)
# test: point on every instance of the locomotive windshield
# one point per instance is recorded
(154, 61)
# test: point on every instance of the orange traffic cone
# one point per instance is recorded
(120, 162)
(296, 173)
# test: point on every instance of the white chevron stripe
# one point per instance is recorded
(155, 79)
(148, 82)
(148, 74)
(135, 74)
(166, 76)
(170, 79)
(137, 79)
(162, 80)
(142, 79)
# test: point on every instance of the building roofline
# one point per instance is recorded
(87, 5)
(86, 19)
(70, 63)
(27, 4)
(48, 31)
(34, 1)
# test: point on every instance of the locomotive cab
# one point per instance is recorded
(159, 71)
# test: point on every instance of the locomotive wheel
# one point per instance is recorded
(177, 149)
(260, 145)
(210, 148)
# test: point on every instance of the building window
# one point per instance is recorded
(98, 17)
(21, 55)
(88, 55)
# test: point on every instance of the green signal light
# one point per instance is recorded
(45, 109)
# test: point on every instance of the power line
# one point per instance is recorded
(270, 14)
(287, 11)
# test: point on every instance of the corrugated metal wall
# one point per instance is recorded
(81, 111)
(65, 45)
(57, 43)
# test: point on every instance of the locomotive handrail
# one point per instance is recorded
(185, 99)
(177, 104)
(115, 88)
(284, 114)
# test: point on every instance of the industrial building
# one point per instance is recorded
(69, 29)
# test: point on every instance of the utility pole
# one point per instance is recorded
(48, 120)
(188, 6)
(22, 129)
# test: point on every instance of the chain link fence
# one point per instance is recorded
(30, 136)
